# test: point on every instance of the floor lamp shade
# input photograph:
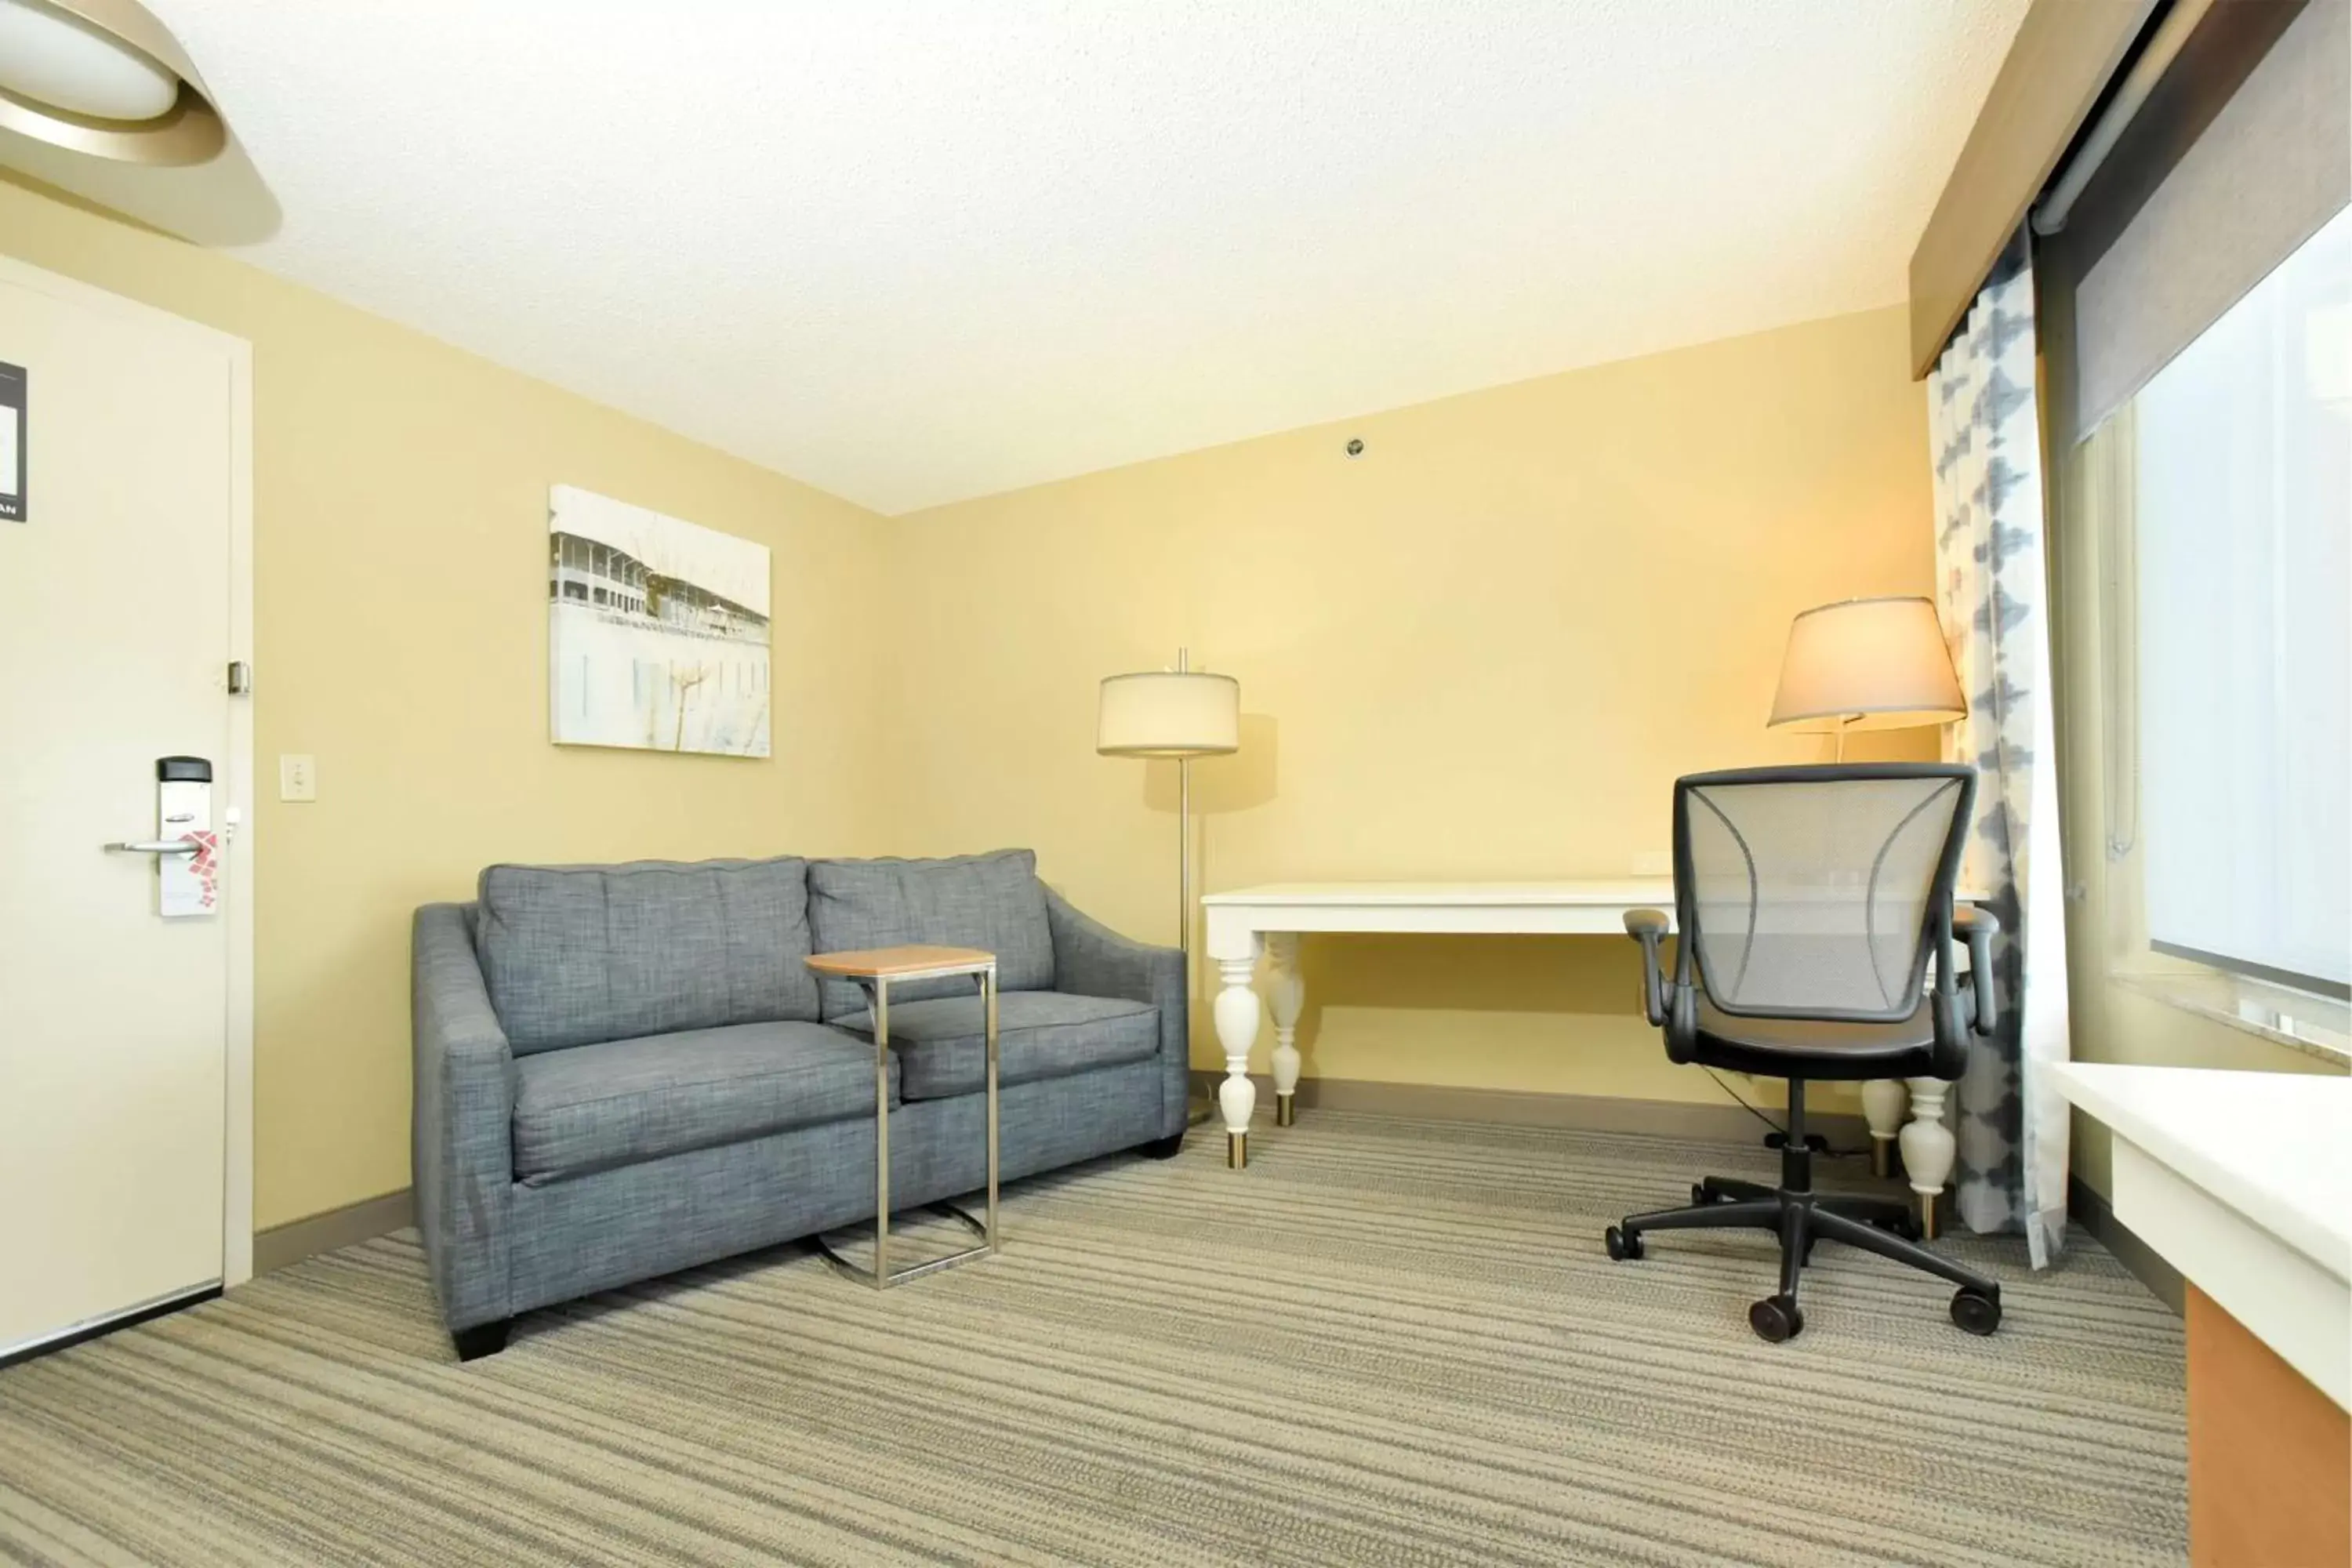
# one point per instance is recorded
(1169, 713)
(1868, 664)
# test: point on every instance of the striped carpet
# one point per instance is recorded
(1387, 1342)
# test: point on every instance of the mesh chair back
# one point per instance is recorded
(1819, 892)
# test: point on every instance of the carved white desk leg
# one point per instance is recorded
(1929, 1147)
(1285, 993)
(1237, 1017)
(1882, 1107)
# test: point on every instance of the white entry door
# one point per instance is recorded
(122, 602)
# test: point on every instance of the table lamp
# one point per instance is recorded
(1180, 714)
(1870, 664)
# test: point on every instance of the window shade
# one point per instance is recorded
(2243, 485)
(2273, 166)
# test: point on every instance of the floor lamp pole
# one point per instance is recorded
(1196, 1110)
(1184, 844)
(1184, 861)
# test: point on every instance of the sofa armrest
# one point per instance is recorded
(462, 1123)
(1092, 960)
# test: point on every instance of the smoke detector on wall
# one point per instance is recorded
(98, 98)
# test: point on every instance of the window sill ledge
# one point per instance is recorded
(2312, 1025)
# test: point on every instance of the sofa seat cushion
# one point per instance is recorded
(576, 954)
(993, 902)
(594, 1106)
(941, 1051)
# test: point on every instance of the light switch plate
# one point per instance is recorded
(297, 776)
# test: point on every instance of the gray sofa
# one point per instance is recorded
(624, 1070)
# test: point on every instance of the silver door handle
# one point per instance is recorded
(156, 847)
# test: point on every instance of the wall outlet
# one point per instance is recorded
(297, 776)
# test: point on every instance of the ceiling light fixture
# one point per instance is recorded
(103, 78)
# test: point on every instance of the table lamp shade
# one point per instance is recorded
(1169, 713)
(1871, 664)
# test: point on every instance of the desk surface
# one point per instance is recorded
(2276, 1147)
(1240, 920)
(1611, 892)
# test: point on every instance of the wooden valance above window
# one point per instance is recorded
(2064, 54)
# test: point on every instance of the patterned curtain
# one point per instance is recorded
(1985, 436)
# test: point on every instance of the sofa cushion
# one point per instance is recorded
(993, 902)
(1039, 1033)
(594, 1107)
(573, 954)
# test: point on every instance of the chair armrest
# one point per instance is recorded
(462, 1126)
(1092, 960)
(1649, 928)
(1977, 928)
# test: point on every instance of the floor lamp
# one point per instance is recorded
(1179, 714)
(1870, 664)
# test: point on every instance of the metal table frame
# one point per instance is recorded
(877, 990)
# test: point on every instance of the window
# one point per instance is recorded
(2241, 520)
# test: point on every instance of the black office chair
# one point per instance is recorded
(1809, 902)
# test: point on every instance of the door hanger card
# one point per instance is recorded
(188, 885)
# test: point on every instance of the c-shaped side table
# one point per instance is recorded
(875, 969)
(1250, 922)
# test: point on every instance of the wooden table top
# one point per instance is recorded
(894, 963)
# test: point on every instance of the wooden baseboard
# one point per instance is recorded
(1725, 1124)
(2095, 1215)
(298, 1240)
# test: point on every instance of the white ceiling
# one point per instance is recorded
(913, 252)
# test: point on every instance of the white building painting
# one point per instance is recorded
(658, 630)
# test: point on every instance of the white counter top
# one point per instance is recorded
(2242, 1180)
(2277, 1147)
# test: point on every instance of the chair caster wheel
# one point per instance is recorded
(1975, 1311)
(1777, 1318)
(1700, 1196)
(1908, 1227)
(1623, 1245)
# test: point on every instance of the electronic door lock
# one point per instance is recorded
(185, 848)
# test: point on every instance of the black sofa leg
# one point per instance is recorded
(1165, 1148)
(482, 1338)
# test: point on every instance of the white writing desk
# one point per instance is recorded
(2242, 1180)
(1250, 922)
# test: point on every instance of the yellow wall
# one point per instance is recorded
(1484, 650)
(400, 564)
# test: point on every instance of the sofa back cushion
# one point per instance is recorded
(574, 955)
(991, 901)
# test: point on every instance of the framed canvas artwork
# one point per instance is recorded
(658, 631)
